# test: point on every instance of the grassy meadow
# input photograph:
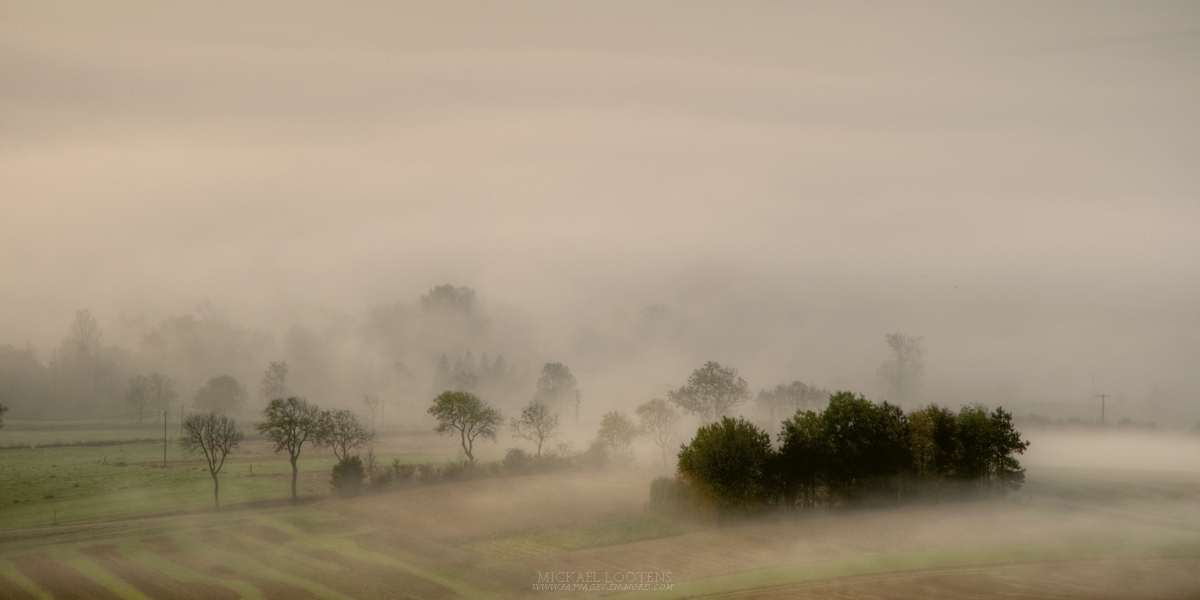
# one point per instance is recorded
(129, 528)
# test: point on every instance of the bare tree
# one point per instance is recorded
(153, 393)
(160, 392)
(215, 436)
(274, 382)
(342, 431)
(289, 424)
(659, 422)
(86, 338)
(374, 406)
(711, 391)
(537, 424)
(902, 372)
(468, 415)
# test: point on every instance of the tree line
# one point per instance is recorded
(854, 451)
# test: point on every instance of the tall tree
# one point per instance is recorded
(374, 407)
(935, 442)
(711, 391)
(3, 409)
(135, 394)
(466, 414)
(24, 381)
(342, 431)
(449, 298)
(289, 424)
(617, 433)
(901, 373)
(867, 446)
(803, 458)
(86, 374)
(85, 335)
(659, 422)
(537, 424)
(222, 393)
(789, 398)
(556, 386)
(274, 381)
(160, 392)
(988, 443)
(730, 463)
(215, 436)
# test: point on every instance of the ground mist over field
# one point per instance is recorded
(631, 190)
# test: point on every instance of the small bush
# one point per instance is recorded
(348, 476)
(452, 471)
(383, 479)
(403, 472)
(427, 473)
(517, 460)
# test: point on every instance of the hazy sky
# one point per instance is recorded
(1017, 182)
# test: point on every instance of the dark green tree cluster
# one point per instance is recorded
(852, 452)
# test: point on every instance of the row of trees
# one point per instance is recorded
(223, 393)
(288, 423)
(466, 415)
(852, 451)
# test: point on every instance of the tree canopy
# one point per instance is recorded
(215, 436)
(274, 381)
(342, 431)
(288, 424)
(855, 451)
(556, 386)
(711, 391)
(616, 435)
(787, 398)
(659, 421)
(222, 393)
(465, 413)
(537, 424)
(730, 463)
(901, 373)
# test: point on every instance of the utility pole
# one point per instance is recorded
(577, 407)
(1102, 398)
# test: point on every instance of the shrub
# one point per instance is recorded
(403, 472)
(348, 476)
(453, 470)
(427, 473)
(517, 460)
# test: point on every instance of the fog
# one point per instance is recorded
(631, 190)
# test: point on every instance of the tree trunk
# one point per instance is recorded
(216, 488)
(467, 448)
(294, 473)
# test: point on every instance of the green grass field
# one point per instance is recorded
(129, 528)
(83, 484)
